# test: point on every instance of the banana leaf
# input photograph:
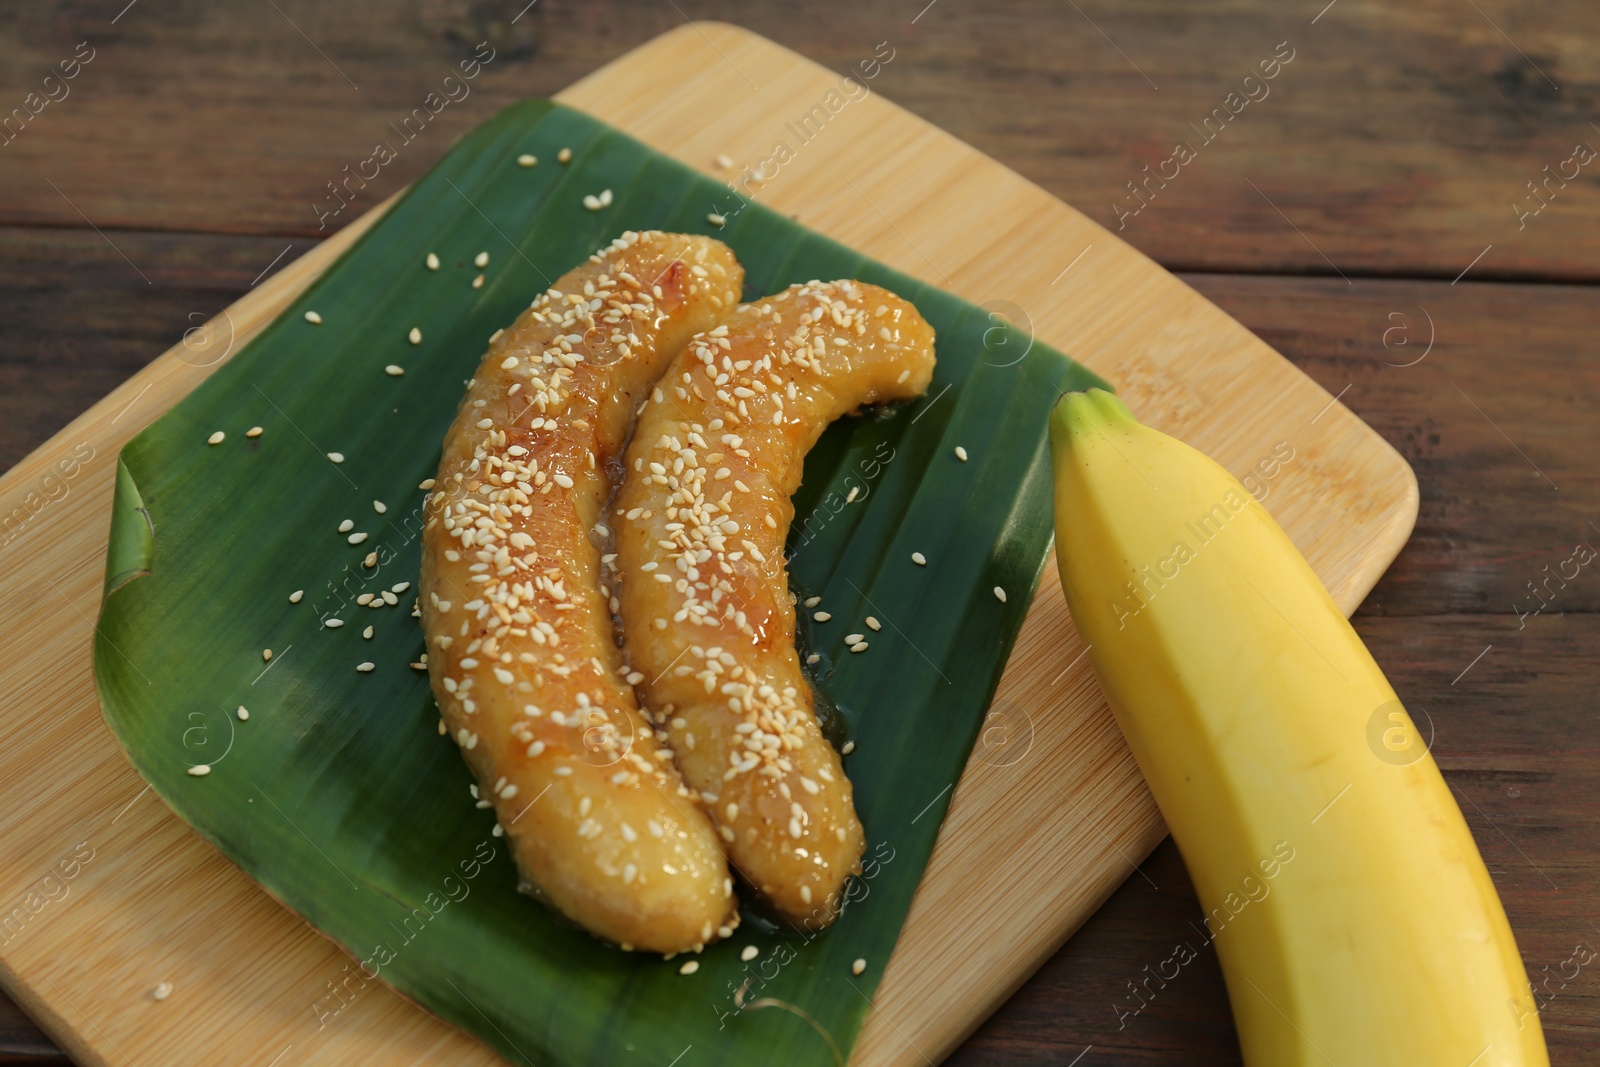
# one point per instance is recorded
(339, 796)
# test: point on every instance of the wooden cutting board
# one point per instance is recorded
(104, 893)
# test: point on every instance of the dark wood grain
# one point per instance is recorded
(199, 138)
(1396, 140)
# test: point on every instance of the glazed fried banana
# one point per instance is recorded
(707, 615)
(521, 651)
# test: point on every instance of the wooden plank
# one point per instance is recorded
(958, 220)
(1397, 140)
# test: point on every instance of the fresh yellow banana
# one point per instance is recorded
(1353, 917)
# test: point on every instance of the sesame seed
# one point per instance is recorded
(564, 156)
(432, 261)
(364, 599)
(477, 283)
(813, 658)
(313, 318)
(690, 967)
(859, 646)
(347, 525)
(961, 453)
(527, 160)
(365, 667)
(822, 616)
(750, 952)
(858, 966)
(380, 507)
(370, 561)
(415, 336)
(367, 633)
(873, 624)
(851, 639)
(294, 597)
(443, 729)
(162, 991)
(356, 538)
(848, 747)
(266, 655)
(243, 713)
(426, 483)
(337, 457)
(481, 260)
(812, 601)
(216, 438)
(919, 559)
(591, 202)
(716, 220)
(1000, 594)
(394, 370)
(254, 431)
(333, 624)
(399, 587)
(200, 770)
(724, 160)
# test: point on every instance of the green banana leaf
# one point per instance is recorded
(338, 794)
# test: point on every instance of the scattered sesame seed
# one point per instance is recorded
(724, 160)
(254, 431)
(477, 283)
(481, 260)
(313, 318)
(859, 646)
(813, 658)
(961, 453)
(564, 156)
(356, 538)
(858, 966)
(850, 498)
(527, 160)
(266, 654)
(370, 561)
(812, 601)
(919, 559)
(243, 713)
(851, 639)
(337, 457)
(200, 770)
(216, 438)
(367, 633)
(415, 336)
(873, 624)
(433, 261)
(333, 624)
(690, 967)
(394, 370)
(426, 483)
(162, 991)
(399, 587)
(347, 525)
(365, 667)
(822, 616)
(591, 202)
(380, 507)
(294, 597)
(849, 747)
(750, 952)
(717, 220)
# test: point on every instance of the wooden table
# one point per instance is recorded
(1376, 199)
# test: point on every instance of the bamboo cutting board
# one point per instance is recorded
(104, 893)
